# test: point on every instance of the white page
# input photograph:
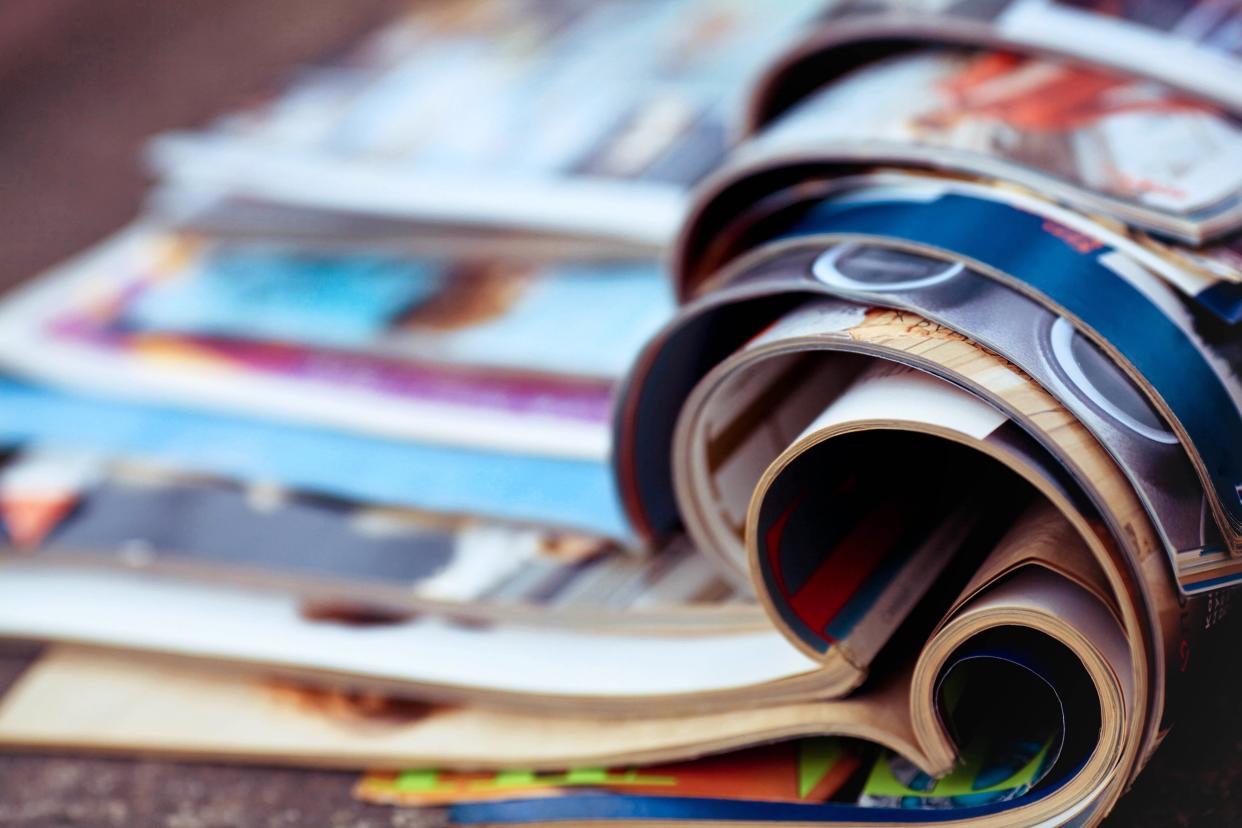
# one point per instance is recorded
(163, 615)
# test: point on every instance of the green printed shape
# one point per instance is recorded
(509, 779)
(586, 776)
(816, 757)
(1028, 775)
(882, 783)
(430, 780)
(417, 780)
(600, 776)
(634, 777)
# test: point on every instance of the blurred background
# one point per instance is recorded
(85, 83)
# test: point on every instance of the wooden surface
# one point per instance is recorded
(81, 84)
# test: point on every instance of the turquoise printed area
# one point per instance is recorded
(371, 469)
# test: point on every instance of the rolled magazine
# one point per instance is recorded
(907, 292)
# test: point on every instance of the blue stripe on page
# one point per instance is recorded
(1213, 583)
(609, 807)
(578, 493)
(861, 602)
(1223, 299)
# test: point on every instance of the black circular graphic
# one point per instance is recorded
(1097, 380)
(878, 269)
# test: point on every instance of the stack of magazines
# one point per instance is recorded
(664, 412)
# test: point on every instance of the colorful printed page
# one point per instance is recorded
(809, 770)
(491, 356)
(1005, 760)
(585, 319)
(1189, 44)
(1036, 121)
(1002, 760)
(970, 792)
(829, 779)
(79, 506)
(575, 494)
(583, 117)
(985, 776)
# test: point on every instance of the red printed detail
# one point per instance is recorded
(1080, 242)
(847, 566)
(772, 540)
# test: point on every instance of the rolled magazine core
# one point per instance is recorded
(835, 522)
(995, 609)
